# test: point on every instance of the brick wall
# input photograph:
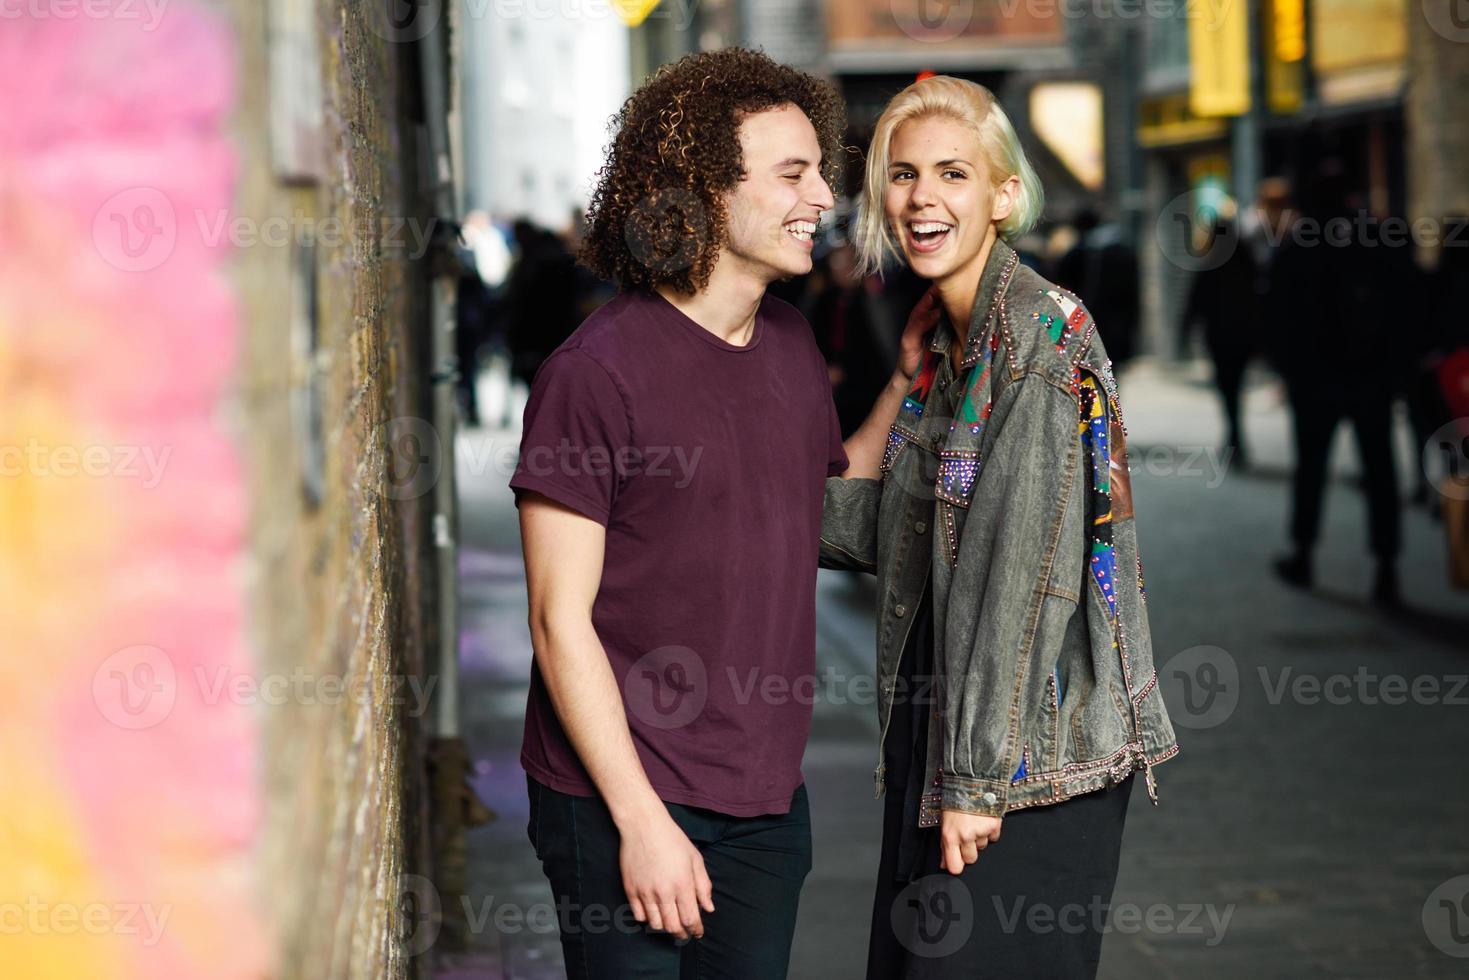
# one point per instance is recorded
(341, 586)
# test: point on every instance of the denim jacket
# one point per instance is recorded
(1019, 508)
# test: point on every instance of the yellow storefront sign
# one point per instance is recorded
(634, 12)
(1285, 55)
(1359, 48)
(1219, 59)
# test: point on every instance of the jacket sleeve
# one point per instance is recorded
(849, 523)
(1018, 519)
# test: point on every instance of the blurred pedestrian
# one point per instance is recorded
(1439, 348)
(484, 260)
(1102, 267)
(1334, 302)
(541, 302)
(1223, 303)
(855, 336)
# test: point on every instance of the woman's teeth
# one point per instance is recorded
(928, 235)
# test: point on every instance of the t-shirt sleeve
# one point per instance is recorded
(836, 454)
(576, 424)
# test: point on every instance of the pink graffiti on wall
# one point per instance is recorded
(129, 800)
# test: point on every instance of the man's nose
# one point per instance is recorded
(823, 198)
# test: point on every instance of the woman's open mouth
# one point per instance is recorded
(928, 236)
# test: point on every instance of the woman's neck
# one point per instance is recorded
(958, 291)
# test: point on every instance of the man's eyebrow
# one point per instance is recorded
(793, 162)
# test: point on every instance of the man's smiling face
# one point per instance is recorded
(775, 208)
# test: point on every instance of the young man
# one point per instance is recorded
(670, 491)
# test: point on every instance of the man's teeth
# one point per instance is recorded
(802, 230)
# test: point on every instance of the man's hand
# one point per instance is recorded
(920, 322)
(663, 874)
(962, 836)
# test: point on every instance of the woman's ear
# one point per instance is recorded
(1007, 195)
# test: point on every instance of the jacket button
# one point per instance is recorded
(919, 526)
(900, 610)
(989, 799)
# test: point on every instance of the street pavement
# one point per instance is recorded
(1312, 826)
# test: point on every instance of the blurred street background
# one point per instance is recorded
(275, 277)
(1272, 854)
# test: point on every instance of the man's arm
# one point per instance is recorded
(662, 872)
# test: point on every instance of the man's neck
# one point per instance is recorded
(727, 306)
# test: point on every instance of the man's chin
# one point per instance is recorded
(781, 267)
(790, 269)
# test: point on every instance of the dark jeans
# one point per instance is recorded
(757, 866)
(1034, 905)
(1316, 416)
(1229, 378)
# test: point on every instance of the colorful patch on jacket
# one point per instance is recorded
(911, 411)
(1060, 329)
(1092, 426)
(959, 468)
(917, 396)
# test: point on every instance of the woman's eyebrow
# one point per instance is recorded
(941, 163)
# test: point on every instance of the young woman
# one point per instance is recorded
(989, 493)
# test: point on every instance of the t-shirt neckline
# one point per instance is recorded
(708, 336)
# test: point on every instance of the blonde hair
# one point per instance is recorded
(965, 102)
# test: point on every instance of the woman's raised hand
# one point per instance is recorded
(920, 322)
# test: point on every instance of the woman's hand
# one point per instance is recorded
(865, 446)
(962, 836)
(920, 322)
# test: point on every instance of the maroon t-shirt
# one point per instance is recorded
(706, 463)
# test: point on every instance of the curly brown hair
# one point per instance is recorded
(658, 214)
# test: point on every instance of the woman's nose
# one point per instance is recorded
(921, 195)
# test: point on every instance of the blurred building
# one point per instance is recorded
(1264, 89)
(538, 83)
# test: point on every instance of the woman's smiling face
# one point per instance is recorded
(940, 201)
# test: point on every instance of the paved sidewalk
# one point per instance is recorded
(1300, 833)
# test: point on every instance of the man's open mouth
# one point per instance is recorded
(801, 231)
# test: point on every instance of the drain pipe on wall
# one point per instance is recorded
(434, 72)
(454, 807)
